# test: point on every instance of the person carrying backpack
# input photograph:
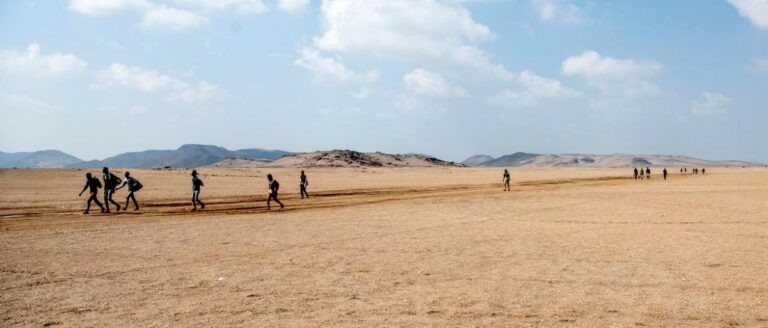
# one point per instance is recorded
(93, 184)
(110, 183)
(133, 186)
(196, 184)
(274, 186)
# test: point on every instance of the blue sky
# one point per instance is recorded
(448, 78)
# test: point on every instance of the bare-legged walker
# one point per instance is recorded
(506, 180)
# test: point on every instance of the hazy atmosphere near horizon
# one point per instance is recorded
(447, 78)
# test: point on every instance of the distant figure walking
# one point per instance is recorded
(110, 183)
(506, 180)
(196, 184)
(703, 171)
(93, 184)
(635, 173)
(686, 170)
(642, 174)
(303, 183)
(133, 186)
(274, 186)
(664, 173)
(681, 170)
(647, 173)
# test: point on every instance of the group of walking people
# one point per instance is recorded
(646, 174)
(112, 183)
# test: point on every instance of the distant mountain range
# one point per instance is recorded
(43, 158)
(188, 156)
(184, 156)
(591, 160)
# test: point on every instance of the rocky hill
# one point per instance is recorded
(350, 158)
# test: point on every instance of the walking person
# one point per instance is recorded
(110, 183)
(93, 184)
(635, 173)
(303, 183)
(506, 180)
(133, 186)
(196, 184)
(274, 186)
(703, 171)
(642, 174)
(648, 173)
(665, 173)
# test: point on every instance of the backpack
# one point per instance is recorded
(134, 185)
(116, 179)
(98, 183)
(276, 184)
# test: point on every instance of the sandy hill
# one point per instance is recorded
(346, 158)
(593, 160)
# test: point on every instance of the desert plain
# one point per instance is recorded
(390, 247)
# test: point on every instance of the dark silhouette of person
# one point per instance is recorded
(681, 170)
(133, 186)
(647, 173)
(274, 186)
(665, 173)
(196, 184)
(703, 171)
(635, 173)
(93, 184)
(686, 170)
(110, 183)
(303, 183)
(506, 180)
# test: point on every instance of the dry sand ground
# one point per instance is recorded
(390, 247)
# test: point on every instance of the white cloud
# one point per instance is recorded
(34, 64)
(619, 82)
(106, 7)
(754, 10)
(535, 90)
(152, 81)
(171, 18)
(592, 65)
(761, 64)
(328, 69)
(711, 103)
(559, 10)
(292, 5)
(362, 94)
(428, 83)
(396, 28)
(15, 102)
(241, 6)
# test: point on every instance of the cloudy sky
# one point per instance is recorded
(448, 78)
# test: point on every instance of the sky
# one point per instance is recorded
(450, 78)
